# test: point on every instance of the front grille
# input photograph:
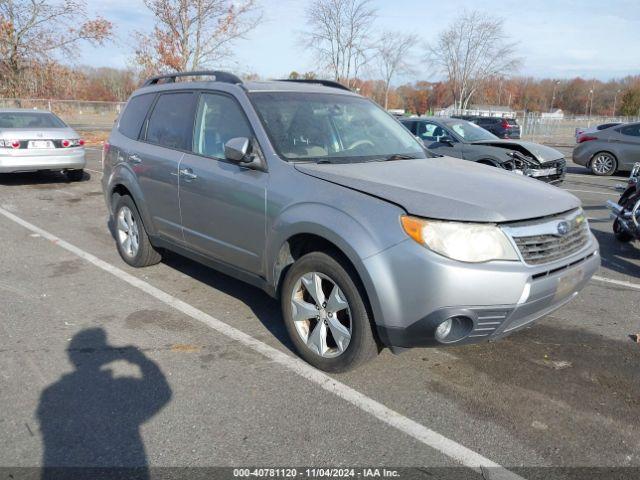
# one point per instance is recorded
(559, 165)
(540, 249)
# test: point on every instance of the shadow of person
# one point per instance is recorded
(90, 419)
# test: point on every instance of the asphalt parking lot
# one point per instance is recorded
(187, 390)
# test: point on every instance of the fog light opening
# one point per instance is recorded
(444, 329)
(453, 329)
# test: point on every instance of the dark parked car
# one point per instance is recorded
(500, 127)
(606, 151)
(462, 139)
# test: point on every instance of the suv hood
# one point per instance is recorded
(449, 189)
(541, 153)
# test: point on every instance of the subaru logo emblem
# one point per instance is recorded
(563, 228)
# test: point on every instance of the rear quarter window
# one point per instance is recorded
(134, 114)
(631, 130)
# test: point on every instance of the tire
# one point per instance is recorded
(618, 232)
(341, 354)
(603, 164)
(75, 175)
(125, 217)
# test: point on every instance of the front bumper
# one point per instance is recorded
(27, 162)
(417, 289)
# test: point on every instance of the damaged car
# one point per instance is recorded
(458, 138)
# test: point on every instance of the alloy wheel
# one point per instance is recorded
(321, 315)
(128, 232)
(603, 163)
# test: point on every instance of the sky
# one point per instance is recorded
(556, 38)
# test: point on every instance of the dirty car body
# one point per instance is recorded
(462, 139)
(438, 250)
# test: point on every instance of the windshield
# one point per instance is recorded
(335, 128)
(30, 120)
(470, 132)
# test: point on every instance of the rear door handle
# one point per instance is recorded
(187, 174)
(133, 158)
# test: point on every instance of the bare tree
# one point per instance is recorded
(394, 58)
(473, 49)
(191, 34)
(339, 33)
(34, 31)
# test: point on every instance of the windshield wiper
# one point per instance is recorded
(398, 156)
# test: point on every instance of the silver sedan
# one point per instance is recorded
(33, 140)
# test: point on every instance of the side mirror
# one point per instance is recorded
(236, 150)
(447, 140)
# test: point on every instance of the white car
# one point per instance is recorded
(33, 140)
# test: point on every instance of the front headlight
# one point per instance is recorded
(466, 242)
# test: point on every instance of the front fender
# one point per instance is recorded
(352, 237)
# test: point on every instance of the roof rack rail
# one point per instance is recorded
(218, 76)
(326, 83)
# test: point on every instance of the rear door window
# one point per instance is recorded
(171, 122)
(134, 114)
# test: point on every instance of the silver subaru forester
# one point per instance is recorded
(322, 199)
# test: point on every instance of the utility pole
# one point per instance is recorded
(553, 97)
(615, 97)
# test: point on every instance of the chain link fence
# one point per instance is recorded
(79, 114)
(561, 131)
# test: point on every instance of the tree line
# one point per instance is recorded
(477, 62)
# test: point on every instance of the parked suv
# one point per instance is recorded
(500, 127)
(325, 201)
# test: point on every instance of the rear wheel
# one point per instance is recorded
(325, 314)
(603, 164)
(131, 237)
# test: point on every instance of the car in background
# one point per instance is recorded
(606, 151)
(583, 131)
(462, 139)
(500, 127)
(34, 140)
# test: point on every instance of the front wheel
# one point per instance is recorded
(325, 314)
(619, 232)
(604, 164)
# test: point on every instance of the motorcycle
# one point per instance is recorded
(626, 213)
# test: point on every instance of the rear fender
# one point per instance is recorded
(122, 176)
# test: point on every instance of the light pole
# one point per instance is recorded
(590, 102)
(553, 97)
(615, 97)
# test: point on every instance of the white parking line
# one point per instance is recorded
(610, 194)
(419, 432)
(622, 283)
(94, 171)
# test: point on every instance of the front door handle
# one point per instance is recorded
(133, 158)
(187, 174)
